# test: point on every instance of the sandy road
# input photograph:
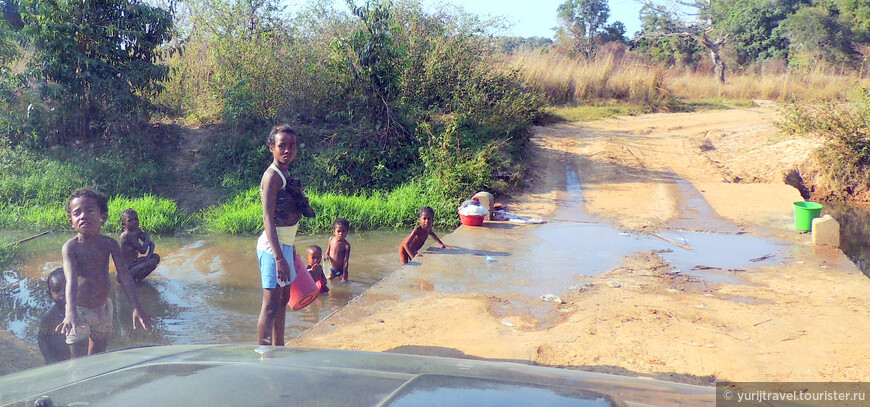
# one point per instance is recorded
(800, 315)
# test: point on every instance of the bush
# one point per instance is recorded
(845, 157)
(356, 88)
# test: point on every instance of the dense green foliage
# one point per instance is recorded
(662, 41)
(754, 27)
(369, 93)
(802, 33)
(95, 61)
(396, 108)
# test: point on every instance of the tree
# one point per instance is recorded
(375, 61)
(613, 33)
(753, 27)
(580, 23)
(815, 34)
(693, 19)
(662, 41)
(96, 60)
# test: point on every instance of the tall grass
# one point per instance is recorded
(49, 216)
(157, 215)
(625, 78)
(607, 77)
(393, 210)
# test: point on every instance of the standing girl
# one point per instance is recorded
(275, 250)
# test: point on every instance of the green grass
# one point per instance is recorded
(38, 217)
(244, 214)
(156, 215)
(694, 105)
(585, 113)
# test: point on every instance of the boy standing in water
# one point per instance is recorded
(88, 319)
(412, 244)
(135, 241)
(338, 250)
(315, 256)
(52, 344)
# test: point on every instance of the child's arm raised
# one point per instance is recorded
(127, 283)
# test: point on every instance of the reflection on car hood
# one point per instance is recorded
(267, 376)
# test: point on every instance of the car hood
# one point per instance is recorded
(228, 375)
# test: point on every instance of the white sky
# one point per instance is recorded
(530, 18)
(536, 18)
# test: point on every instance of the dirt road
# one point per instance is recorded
(668, 252)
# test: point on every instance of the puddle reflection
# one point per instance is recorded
(205, 290)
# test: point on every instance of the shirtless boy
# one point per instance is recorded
(52, 344)
(338, 250)
(135, 241)
(410, 247)
(88, 319)
(315, 256)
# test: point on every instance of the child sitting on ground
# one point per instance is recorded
(135, 241)
(410, 247)
(338, 250)
(315, 256)
(52, 344)
(87, 323)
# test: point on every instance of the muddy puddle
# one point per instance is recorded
(205, 290)
(561, 254)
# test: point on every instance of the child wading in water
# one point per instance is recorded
(338, 250)
(315, 256)
(283, 207)
(135, 241)
(412, 244)
(52, 344)
(88, 319)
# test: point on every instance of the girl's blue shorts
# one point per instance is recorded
(269, 270)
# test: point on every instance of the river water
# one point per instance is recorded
(854, 232)
(205, 290)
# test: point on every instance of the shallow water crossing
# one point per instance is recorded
(575, 244)
(205, 290)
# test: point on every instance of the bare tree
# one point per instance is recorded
(689, 18)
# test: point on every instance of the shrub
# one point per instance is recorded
(845, 126)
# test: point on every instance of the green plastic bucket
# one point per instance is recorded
(804, 213)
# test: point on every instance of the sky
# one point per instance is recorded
(532, 18)
(536, 18)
